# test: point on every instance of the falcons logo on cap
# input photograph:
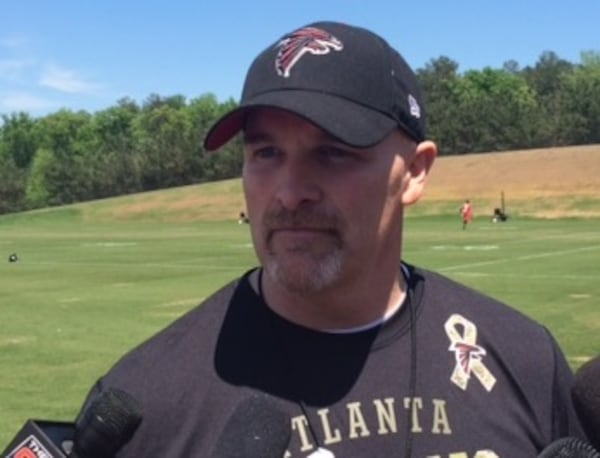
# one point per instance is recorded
(295, 45)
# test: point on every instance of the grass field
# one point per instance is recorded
(95, 279)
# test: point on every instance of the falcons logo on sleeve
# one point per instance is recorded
(308, 40)
(465, 353)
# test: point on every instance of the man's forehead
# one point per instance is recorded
(267, 122)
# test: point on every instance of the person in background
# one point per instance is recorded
(243, 219)
(466, 213)
(367, 354)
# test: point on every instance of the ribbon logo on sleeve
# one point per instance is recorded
(463, 342)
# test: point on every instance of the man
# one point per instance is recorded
(466, 213)
(367, 355)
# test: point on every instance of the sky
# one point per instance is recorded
(86, 54)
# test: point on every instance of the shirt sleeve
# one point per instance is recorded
(565, 422)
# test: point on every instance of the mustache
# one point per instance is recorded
(303, 217)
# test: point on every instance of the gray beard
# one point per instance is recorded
(323, 273)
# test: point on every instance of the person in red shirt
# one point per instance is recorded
(466, 212)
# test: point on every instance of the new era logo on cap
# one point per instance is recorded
(344, 79)
(415, 109)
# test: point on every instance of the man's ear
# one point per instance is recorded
(418, 167)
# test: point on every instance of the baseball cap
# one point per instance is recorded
(345, 79)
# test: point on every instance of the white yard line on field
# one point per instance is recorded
(518, 258)
(558, 275)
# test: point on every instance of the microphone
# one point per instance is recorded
(586, 399)
(106, 425)
(41, 438)
(257, 428)
(569, 447)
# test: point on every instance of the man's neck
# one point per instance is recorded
(337, 308)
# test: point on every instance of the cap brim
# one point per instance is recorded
(349, 122)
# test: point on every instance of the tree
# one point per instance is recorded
(65, 138)
(579, 103)
(498, 111)
(164, 149)
(439, 80)
(545, 76)
(227, 162)
(112, 128)
(511, 66)
(545, 80)
(201, 113)
(37, 192)
(154, 101)
(110, 160)
(18, 139)
(12, 186)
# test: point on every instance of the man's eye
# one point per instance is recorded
(266, 153)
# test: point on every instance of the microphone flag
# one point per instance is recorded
(41, 439)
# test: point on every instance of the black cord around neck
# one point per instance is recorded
(412, 382)
(259, 287)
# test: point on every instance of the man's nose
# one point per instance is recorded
(298, 185)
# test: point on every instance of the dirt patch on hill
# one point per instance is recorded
(553, 182)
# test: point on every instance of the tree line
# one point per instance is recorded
(68, 156)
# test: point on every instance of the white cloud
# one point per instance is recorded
(11, 68)
(66, 80)
(22, 101)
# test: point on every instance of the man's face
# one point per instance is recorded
(322, 214)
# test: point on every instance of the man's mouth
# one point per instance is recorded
(300, 236)
(300, 231)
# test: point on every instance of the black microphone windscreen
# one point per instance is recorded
(106, 425)
(257, 428)
(569, 447)
(586, 399)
